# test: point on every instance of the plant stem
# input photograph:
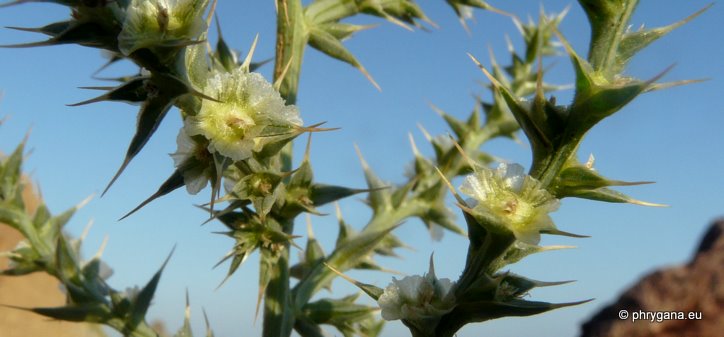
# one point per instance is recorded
(278, 312)
(290, 44)
(142, 330)
(292, 37)
(608, 23)
(546, 169)
(320, 275)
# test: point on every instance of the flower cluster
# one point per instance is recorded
(509, 199)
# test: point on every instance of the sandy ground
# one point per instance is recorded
(35, 290)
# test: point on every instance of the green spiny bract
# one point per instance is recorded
(45, 248)
(508, 212)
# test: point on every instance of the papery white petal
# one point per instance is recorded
(444, 286)
(476, 187)
(416, 297)
(132, 293)
(513, 176)
(186, 147)
(105, 271)
(195, 182)
(409, 286)
(390, 303)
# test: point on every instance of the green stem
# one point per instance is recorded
(291, 41)
(292, 38)
(421, 333)
(388, 219)
(609, 20)
(492, 248)
(547, 169)
(320, 275)
(278, 315)
(142, 330)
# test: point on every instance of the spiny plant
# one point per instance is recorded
(238, 129)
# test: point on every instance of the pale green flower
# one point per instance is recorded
(417, 298)
(509, 198)
(152, 23)
(249, 114)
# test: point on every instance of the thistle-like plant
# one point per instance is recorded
(237, 135)
(508, 209)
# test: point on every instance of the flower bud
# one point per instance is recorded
(152, 23)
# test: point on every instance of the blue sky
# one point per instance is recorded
(672, 137)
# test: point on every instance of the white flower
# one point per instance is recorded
(509, 198)
(194, 161)
(416, 298)
(105, 271)
(250, 114)
(23, 246)
(150, 23)
(466, 12)
(132, 293)
(444, 142)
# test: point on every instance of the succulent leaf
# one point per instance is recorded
(609, 195)
(336, 311)
(321, 194)
(307, 329)
(327, 43)
(356, 247)
(379, 197)
(175, 181)
(10, 177)
(519, 285)
(224, 55)
(52, 29)
(134, 91)
(60, 2)
(163, 92)
(185, 330)
(89, 34)
(371, 290)
(633, 42)
(141, 302)
(342, 31)
(66, 260)
(486, 310)
(92, 313)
